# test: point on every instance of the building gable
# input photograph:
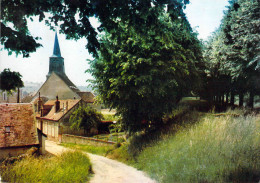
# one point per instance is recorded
(57, 86)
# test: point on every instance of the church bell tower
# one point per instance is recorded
(56, 63)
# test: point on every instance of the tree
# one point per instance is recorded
(241, 30)
(73, 17)
(85, 118)
(233, 52)
(144, 71)
(10, 81)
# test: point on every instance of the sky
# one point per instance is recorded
(203, 15)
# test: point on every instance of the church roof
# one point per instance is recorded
(69, 83)
(56, 49)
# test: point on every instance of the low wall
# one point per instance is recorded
(66, 138)
(15, 151)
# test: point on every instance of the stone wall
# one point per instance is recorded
(66, 138)
(14, 151)
(17, 125)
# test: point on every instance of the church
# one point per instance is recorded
(58, 83)
(57, 98)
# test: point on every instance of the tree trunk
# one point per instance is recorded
(251, 99)
(227, 94)
(241, 99)
(18, 95)
(223, 100)
(232, 98)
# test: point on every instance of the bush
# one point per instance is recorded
(85, 118)
(67, 167)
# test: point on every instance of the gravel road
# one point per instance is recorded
(106, 170)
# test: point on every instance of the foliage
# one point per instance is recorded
(85, 118)
(116, 128)
(110, 117)
(10, 80)
(144, 71)
(67, 167)
(73, 17)
(232, 53)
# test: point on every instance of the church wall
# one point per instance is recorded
(55, 86)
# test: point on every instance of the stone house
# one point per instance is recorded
(53, 116)
(10, 98)
(17, 129)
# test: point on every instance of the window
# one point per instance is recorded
(7, 129)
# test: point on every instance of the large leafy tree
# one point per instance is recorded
(11, 81)
(85, 118)
(144, 71)
(146, 60)
(73, 17)
(218, 79)
(234, 50)
(241, 27)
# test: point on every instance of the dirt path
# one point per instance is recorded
(106, 170)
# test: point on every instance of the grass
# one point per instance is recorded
(100, 150)
(118, 152)
(110, 117)
(114, 137)
(216, 149)
(67, 167)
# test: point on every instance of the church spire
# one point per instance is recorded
(56, 49)
(56, 63)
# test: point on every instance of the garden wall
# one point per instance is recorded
(66, 138)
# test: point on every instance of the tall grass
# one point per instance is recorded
(217, 149)
(100, 150)
(67, 167)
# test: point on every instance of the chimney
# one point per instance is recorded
(39, 103)
(57, 104)
(67, 105)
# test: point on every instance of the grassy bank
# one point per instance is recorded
(194, 147)
(100, 150)
(118, 152)
(67, 167)
(216, 149)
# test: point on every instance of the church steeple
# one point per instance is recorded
(56, 49)
(56, 63)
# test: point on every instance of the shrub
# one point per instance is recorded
(85, 118)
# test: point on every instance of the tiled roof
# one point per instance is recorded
(56, 116)
(17, 125)
(87, 96)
